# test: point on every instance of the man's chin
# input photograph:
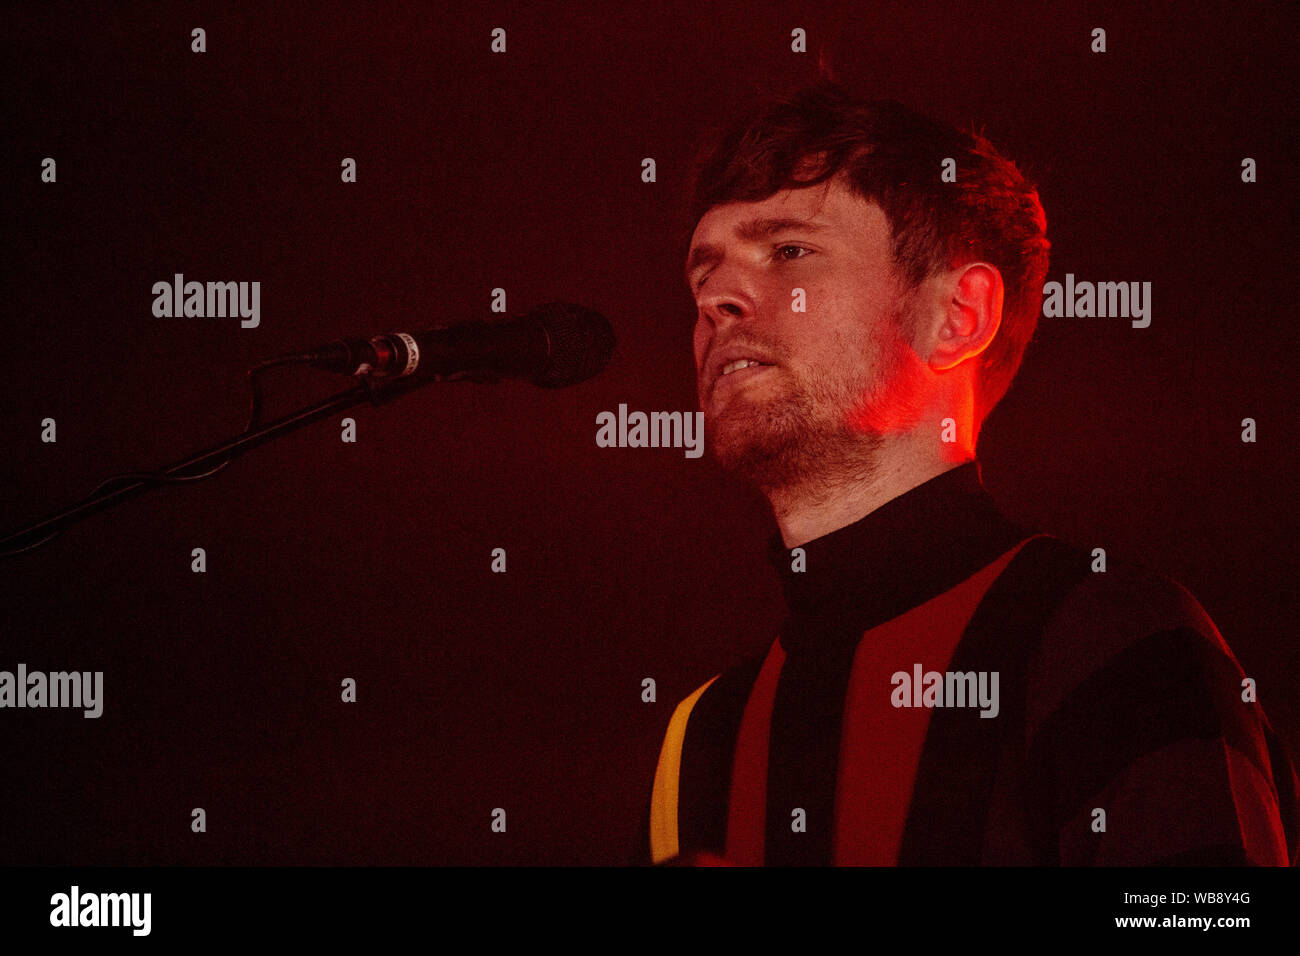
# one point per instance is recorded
(737, 424)
(751, 442)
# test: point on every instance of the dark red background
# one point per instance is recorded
(371, 561)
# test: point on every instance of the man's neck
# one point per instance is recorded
(808, 512)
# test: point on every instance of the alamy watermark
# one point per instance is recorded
(946, 689)
(75, 908)
(1085, 300)
(76, 689)
(220, 300)
(653, 430)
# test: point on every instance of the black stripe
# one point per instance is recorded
(954, 781)
(707, 751)
(1151, 695)
(804, 747)
(906, 552)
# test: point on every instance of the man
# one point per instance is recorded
(948, 688)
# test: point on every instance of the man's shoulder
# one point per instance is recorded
(1122, 631)
(1135, 702)
(1126, 601)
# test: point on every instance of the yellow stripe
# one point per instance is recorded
(663, 799)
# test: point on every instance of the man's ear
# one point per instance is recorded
(967, 315)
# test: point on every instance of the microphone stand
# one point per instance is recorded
(375, 391)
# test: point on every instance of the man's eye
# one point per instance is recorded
(782, 250)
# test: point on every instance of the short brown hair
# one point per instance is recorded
(891, 155)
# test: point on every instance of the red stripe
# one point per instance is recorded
(880, 748)
(1257, 811)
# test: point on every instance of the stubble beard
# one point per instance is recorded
(814, 434)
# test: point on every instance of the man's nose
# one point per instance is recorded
(726, 299)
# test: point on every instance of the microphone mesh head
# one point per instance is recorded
(581, 343)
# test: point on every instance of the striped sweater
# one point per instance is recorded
(951, 689)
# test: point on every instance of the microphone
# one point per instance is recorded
(554, 345)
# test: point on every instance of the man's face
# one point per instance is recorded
(833, 379)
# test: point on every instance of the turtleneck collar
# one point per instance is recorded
(909, 550)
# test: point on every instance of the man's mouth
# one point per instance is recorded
(738, 365)
(736, 373)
